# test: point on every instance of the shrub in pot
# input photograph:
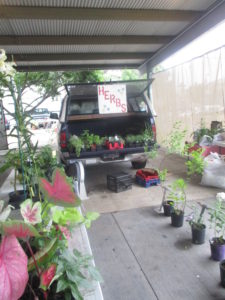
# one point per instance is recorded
(198, 227)
(217, 223)
(178, 196)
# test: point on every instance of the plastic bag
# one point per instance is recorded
(206, 140)
(214, 171)
(219, 137)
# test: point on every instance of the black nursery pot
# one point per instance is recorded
(168, 208)
(198, 233)
(16, 198)
(222, 272)
(177, 219)
(217, 249)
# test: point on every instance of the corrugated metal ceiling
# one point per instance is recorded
(83, 28)
(130, 4)
(80, 48)
(56, 26)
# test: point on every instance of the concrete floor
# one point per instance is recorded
(139, 254)
(103, 200)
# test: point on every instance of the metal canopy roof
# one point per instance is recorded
(101, 34)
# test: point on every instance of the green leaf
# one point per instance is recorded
(92, 216)
(67, 296)
(75, 292)
(19, 228)
(62, 285)
(43, 255)
(95, 273)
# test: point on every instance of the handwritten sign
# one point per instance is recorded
(112, 98)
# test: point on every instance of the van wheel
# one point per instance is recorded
(139, 164)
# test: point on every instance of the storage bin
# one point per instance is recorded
(119, 182)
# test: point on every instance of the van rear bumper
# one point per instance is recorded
(106, 156)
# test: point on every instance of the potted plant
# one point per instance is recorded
(167, 205)
(198, 227)
(35, 261)
(178, 196)
(76, 143)
(222, 272)
(87, 139)
(217, 223)
(99, 141)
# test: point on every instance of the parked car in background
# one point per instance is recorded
(40, 117)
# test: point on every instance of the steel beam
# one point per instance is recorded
(76, 56)
(83, 40)
(110, 66)
(70, 13)
(212, 17)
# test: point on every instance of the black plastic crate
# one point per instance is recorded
(119, 182)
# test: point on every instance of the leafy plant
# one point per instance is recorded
(130, 138)
(97, 140)
(177, 195)
(175, 140)
(77, 144)
(147, 135)
(203, 130)
(87, 138)
(196, 217)
(195, 163)
(217, 217)
(46, 162)
(74, 273)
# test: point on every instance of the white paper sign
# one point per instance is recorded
(112, 98)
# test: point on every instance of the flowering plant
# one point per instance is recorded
(32, 252)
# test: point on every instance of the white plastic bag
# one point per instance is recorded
(205, 141)
(214, 171)
(219, 137)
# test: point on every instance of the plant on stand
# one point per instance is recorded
(178, 196)
(197, 224)
(217, 223)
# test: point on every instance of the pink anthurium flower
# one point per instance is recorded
(47, 276)
(31, 212)
(13, 269)
(60, 192)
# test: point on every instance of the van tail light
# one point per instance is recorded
(63, 140)
(154, 131)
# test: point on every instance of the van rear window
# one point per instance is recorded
(90, 106)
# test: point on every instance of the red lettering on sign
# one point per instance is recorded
(112, 98)
(118, 103)
(101, 90)
(106, 95)
(124, 109)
